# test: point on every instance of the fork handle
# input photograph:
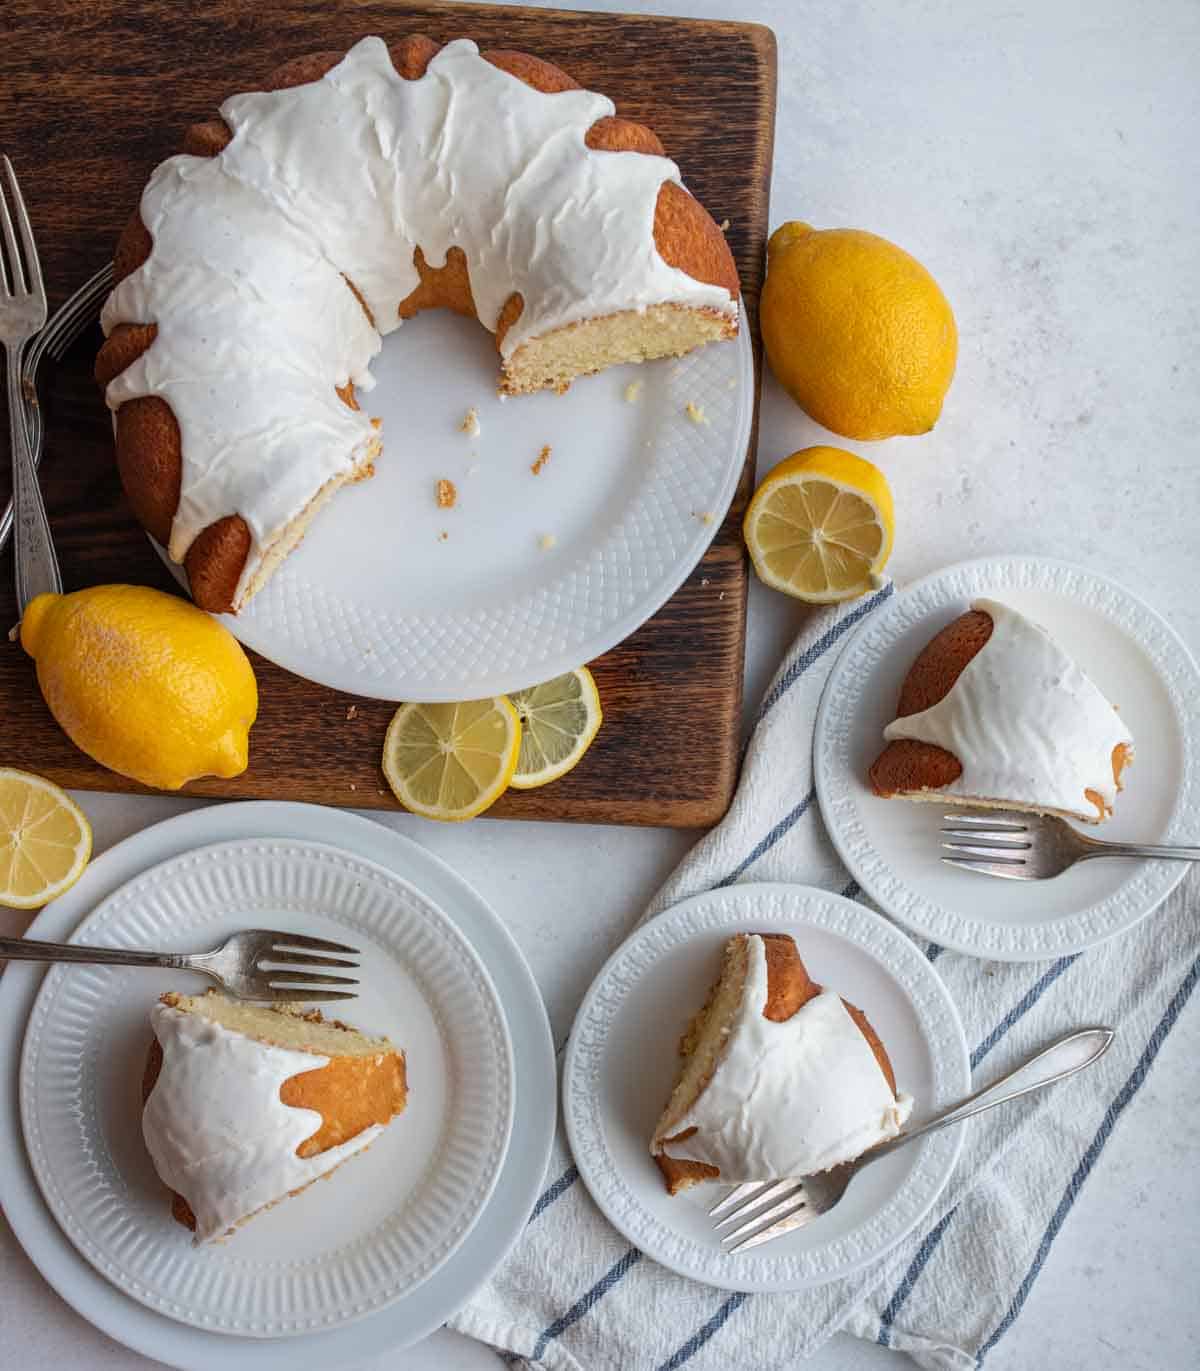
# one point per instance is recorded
(36, 564)
(1093, 1043)
(1102, 847)
(32, 950)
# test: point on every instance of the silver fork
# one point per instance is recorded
(769, 1209)
(22, 314)
(76, 314)
(1034, 847)
(256, 964)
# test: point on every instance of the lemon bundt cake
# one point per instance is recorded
(994, 713)
(267, 260)
(780, 1077)
(245, 1105)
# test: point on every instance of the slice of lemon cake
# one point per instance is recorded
(994, 713)
(245, 1105)
(780, 1077)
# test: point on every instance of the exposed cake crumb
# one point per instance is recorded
(352, 714)
(443, 537)
(470, 423)
(706, 517)
(353, 786)
(632, 391)
(543, 458)
(547, 541)
(704, 580)
(447, 494)
(29, 390)
(695, 413)
(724, 226)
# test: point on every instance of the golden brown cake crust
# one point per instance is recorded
(148, 455)
(350, 1093)
(789, 987)
(907, 764)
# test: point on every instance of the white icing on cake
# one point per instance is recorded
(345, 177)
(216, 1129)
(1027, 725)
(792, 1098)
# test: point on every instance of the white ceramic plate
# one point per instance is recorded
(622, 1062)
(378, 603)
(524, 1166)
(343, 1249)
(891, 847)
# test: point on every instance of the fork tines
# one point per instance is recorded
(766, 1210)
(277, 960)
(993, 843)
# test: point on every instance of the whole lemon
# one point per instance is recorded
(145, 683)
(857, 331)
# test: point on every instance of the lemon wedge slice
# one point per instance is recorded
(559, 719)
(45, 840)
(451, 762)
(820, 525)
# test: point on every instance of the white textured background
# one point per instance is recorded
(1041, 159)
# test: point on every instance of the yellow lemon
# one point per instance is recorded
(559, 719)
(45, 840)
(857, 331)
(451, 762)
(820, 525)
(145, 683)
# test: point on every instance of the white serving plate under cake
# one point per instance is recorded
(391, 597)
(891, 847)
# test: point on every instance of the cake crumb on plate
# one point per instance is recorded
(547, 541)
(470, 423)
(695, 413)
(632, 391)
(447, 494)
(443, 537)
(543, 458)
(352, 714)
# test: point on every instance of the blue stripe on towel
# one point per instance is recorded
(764, 845)
(1091, 1156)
(613, 1276)
(813, 654)
(1022, 1007)
(928, 1247)
(702, 1335)
(1014, 1016)
(552, 1192)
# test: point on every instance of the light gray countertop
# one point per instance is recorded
(1041, 160)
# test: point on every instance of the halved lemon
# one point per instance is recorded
(451, 762)
(45, 840)
(820, 525)
(559, 719)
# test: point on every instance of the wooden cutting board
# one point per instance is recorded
(95, 97)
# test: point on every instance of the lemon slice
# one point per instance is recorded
(45, 840)
(559, 719)
(820, 525)
(451, 762)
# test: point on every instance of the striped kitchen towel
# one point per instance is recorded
(575, 1295)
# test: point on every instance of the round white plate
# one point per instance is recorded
(378, 602)
(338, 1251)
(892, 847)
(504, 1217)
(622, 1062)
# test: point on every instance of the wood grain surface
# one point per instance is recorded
(93, 96)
